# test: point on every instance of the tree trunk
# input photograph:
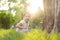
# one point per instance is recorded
(57, 18)
(50, 8)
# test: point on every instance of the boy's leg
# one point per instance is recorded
(17, 29)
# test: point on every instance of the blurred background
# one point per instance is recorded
(44, 22)
(12, 11)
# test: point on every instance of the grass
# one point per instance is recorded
(34, 34)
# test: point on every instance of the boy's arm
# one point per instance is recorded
(20, 25)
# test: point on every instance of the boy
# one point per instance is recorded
(23, 25)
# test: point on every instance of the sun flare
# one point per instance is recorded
(34, 4)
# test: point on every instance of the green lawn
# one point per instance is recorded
(34, 34)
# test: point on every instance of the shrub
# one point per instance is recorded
(6, 20)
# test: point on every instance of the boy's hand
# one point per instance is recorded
(20, 26)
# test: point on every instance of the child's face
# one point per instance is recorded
(27, 18)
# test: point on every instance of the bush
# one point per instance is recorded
(6, 20)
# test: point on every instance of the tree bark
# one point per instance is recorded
(49, 9)
(57, 17)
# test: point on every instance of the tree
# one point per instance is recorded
(50, 11)
(57, 17)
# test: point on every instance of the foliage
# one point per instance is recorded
(37, 21)
(3, 33)
(6, 19)
(19, 8)
(10, 35)
(19, 14)
(34, 34)
(13, 36)
(12, 0)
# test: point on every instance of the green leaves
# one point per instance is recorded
(12, 0)
(6, 19)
